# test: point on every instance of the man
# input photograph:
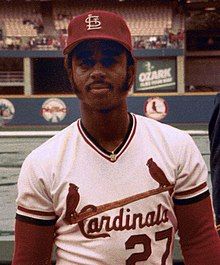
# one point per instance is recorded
(214, 137)
(113, 187)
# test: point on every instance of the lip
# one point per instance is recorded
(99, 88)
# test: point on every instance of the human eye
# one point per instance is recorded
(86, 62)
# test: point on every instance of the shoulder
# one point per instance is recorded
(53, 146)
(159, 129)
(165, 137)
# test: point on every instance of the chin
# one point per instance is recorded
(107, 109)
(103, 109)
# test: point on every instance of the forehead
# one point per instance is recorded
(105, 47)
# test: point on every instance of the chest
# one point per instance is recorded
(136, 171)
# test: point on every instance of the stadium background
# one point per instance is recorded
(177, 47)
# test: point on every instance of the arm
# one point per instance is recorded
(214, 137)
(199, 240)
(35, 215)
(33, 244)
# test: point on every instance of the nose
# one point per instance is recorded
(98, 72)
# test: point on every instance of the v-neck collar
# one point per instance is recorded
(114, 155)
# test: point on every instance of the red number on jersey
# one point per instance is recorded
(138, 239)
(146, 242)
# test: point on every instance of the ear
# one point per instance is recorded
(70, 75)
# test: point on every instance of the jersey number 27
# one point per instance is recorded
(146, 242)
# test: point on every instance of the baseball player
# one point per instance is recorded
(214, 137)
(113, 187)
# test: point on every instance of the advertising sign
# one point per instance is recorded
(158, 75)
(54, 110)
(7, 111)
(156, 108)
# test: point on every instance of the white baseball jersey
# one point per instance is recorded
(70, 176)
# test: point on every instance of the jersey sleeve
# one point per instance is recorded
(34, 201)
(191, 183)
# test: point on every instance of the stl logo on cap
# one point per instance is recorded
(93, 22)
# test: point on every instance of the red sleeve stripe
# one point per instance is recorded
(191, 191)
(20, 208)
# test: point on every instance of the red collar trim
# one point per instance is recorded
(106, 154)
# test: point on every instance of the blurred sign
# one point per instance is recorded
(156, 75)
(156, 108)
(54, 110)
(7, 111)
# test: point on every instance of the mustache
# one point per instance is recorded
(106, 84)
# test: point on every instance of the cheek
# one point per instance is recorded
(78, 79)
(119, 75)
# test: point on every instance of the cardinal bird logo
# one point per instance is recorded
(72, 201)
(157, 173)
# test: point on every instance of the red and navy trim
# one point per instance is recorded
(35, 217)
(99, 149)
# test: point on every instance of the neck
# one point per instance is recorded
(108, 128)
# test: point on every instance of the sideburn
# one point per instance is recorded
(73, 85)
(129, 79)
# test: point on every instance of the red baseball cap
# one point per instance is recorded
(98, 24)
